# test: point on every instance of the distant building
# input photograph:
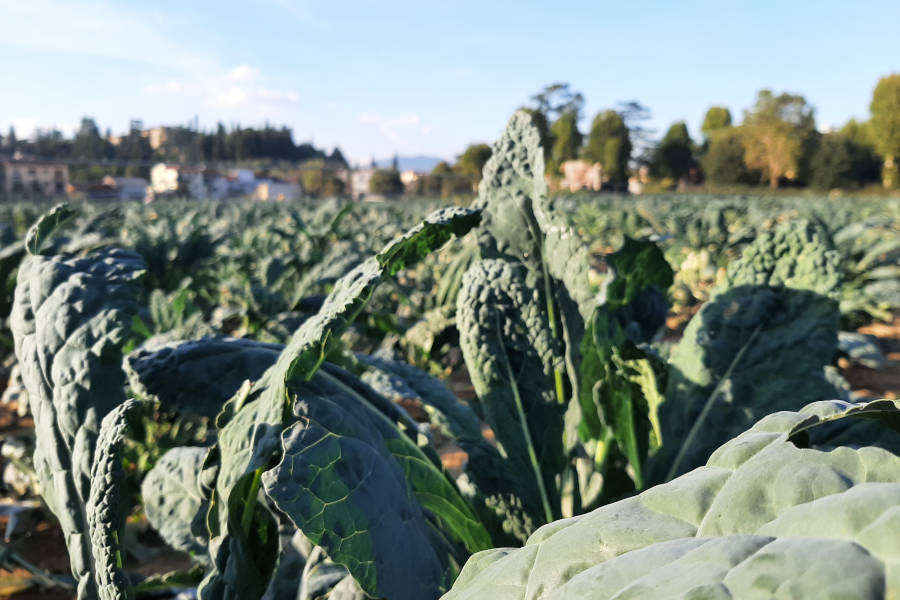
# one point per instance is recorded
(31, 177)
(128, 188)
(359, 182)
(277, 190)
(117, 188)
(581, 175)
(170, 179)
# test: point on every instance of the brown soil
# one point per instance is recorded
(882, 383)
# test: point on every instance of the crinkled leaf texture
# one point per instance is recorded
(759, 345)
(521, 310)
(198, 376)
(173, 498)
(69, 320)
(766, 517)
(510, 353)
(251, 425)
(796, 254)
(107, 506)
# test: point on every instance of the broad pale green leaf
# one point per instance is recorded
(70, 318)
(764, 518)
(107, 506)
(173, 498)
(198, 376)
(355, 485)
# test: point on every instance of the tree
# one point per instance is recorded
(634, 114)
(674, 155)
(337, 159)
(885, 108)
(724, 163)
(716, 118)
(609, 143)
(88, 144)
(220, 144)
(471, 162)
(776, 132)
(11, 142)
(566, 140)
(558, 99)
(866, 162)
(386, 182)
(840, 162)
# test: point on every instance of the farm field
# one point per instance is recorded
(454, 375)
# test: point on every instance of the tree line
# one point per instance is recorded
(93, 155)
(777, 143)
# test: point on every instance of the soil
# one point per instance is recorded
(881, 383)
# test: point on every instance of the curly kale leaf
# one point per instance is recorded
(764, 517)
(797, 255)
(760, 345)
(511, 354)
(70, 318)
(521, 226)
(107, 505)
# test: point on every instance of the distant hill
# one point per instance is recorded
(411, 163)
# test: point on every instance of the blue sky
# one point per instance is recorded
(427, 77)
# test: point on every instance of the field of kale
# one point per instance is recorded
(586, 396)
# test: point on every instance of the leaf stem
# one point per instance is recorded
(707, 406)
(247, 514)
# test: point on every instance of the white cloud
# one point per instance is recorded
(277, 96)
(233, 89)
(399, 129)
(243, 73)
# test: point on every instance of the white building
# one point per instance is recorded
(277, 190)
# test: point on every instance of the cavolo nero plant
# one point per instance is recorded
(317, 485)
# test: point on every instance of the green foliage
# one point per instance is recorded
(609, 143)
(802, 503)
(723, 162)
(760, 344)
(566, 140)
(840, 162)
(472, 160)
(70, 319)
(386, 182)
(674, 155)
(619, 393)
(268, 423)
(885, 125)
(521, 312)
(716, 118)
(776, 131)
